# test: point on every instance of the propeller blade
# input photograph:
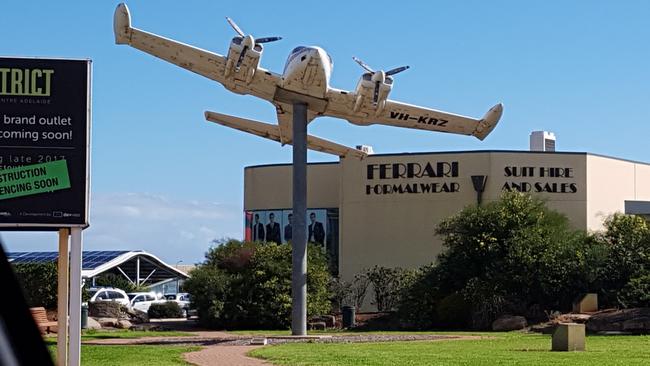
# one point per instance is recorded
(267, 39)
(362, 64)
(397, 70)
(235, 27)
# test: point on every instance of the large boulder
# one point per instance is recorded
(104, 309)
(107, 322)
(329, 320)
(123, 324)
(93, 324)
(635, 320)
(506, 323)
(137, 316)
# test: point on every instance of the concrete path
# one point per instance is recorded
(224, 356)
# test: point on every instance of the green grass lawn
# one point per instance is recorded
(499, 349)
(131, 355)
(128, 355)
(103, 334)
(122, 333)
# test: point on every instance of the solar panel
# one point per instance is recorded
(91, 259)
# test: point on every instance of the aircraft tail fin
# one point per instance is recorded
(122, 24)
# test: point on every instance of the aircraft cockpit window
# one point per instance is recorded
(330, 58)
(298, 49)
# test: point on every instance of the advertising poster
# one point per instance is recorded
(44, 139)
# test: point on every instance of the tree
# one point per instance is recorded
(509, 254)
(39, 283)
(624, 275)
(248, 285)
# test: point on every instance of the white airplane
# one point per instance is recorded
(305, 79)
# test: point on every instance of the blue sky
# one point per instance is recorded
(166, 181)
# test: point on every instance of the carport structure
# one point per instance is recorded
(136, 266)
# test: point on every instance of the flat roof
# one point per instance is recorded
(466, 152)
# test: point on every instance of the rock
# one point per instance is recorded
(329, 320)
(544, 328)
(506, 323)
(317, 326)
(573, 318)
(123, 324)
(137, 316)
(93, 324)
(107, 322)
(104, 309)
(635, 320)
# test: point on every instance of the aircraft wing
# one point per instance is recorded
(341, 105)
(205, 63)
(272, 132)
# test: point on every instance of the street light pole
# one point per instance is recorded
(299, 226)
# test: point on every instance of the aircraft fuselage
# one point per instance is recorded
(307, 71)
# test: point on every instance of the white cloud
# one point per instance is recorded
(172, 229)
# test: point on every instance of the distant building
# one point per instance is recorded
(138, 267)
(542, 141)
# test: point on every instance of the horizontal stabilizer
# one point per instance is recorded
(272, 132)
(488, 122)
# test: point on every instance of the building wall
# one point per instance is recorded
(386, 219)
(269, 187)
(398, 229)
(611, 182)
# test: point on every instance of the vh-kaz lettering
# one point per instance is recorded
(419, 119)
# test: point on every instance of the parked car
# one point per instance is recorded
(143, 300)
(108, 294)
(183, 300)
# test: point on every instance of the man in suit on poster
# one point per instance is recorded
(316, 230)
(258, 229)
(288, 230)
(273, 230)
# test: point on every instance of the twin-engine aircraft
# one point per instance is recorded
(305, 79)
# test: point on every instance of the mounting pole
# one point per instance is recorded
(62, 298)
(299, 237)
(76, 249)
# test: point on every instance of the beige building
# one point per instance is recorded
(383, 210)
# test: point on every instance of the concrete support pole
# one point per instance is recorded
(74, 357)
(299, 226)
(62, 299)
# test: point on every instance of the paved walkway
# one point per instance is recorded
(224, 356)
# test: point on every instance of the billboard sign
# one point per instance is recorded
(44, 140)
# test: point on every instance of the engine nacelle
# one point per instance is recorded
(372, 91)
(243, 58)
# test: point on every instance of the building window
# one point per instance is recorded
(276, 226)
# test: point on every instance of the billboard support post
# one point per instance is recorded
(75, 296)
(299, 235)
(62, 299)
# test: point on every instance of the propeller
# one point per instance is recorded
(257, 40)
(249, 41)
(379, 76)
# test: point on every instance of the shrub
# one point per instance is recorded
(627, 242)
(39, 283)
(636, 293)
(504, 257)
(167, 309)
(388, 284)
(453, 311)
(349, 293)
(248, 285)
